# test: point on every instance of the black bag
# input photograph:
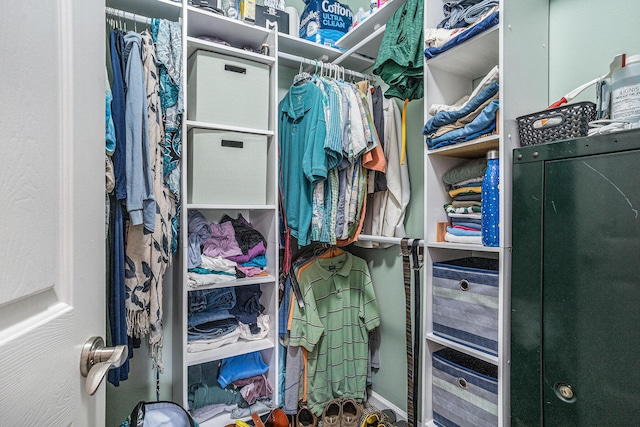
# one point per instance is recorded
(160, 414)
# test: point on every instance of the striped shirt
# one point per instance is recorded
(340, 310)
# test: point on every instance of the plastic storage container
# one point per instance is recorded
(625, 91)
(491, 201)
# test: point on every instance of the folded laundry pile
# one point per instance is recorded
(235, 384)
(464, 184)
(468, 118)
(218, 253)
(223, 251)
(464, 19)
(222, 316)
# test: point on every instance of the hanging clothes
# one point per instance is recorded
(386, 209)
(340, 309)
(116, 288)
(303, 163)
(143, 208)
(167, 36)
(400, 58)
(140, 198)
(354, 157)
(148, 254)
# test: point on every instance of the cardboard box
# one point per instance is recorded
(268, 16)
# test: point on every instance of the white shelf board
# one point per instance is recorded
(219, 420)
(472, 59)
(215, 126)
(223, 419)
(194, 43)
(368, 47)
(462, 246)
(165, 9)
(301, 47)
(237, 282)
(464, 349)
(355, 62)
(369, 26)
(469, 149)
(235, 349)
(219, 207)
(237, 33)
(314, 51)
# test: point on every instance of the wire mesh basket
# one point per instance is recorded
(564, 122)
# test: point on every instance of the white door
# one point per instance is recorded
(52, 238)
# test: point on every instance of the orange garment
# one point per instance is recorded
(353, 238)
(374, 159)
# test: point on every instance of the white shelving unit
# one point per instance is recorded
(519, 46)
(263, 217)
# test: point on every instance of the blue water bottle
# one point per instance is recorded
(491, 201)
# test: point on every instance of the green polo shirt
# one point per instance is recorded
(340, 310)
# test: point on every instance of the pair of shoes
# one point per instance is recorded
(343, 412)
(305, 417)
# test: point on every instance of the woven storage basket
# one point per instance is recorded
(565, 122)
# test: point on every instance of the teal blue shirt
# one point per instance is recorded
(303, 162)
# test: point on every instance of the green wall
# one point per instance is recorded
(584, 36)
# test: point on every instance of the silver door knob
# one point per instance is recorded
(96, 360)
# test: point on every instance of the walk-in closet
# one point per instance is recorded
(319, 213)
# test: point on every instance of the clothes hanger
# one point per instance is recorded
(301, 77)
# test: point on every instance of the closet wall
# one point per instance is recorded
(584, 36)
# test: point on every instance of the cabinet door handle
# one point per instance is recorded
(232, 144)
(235, 69)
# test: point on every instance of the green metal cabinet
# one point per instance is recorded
(575, 283)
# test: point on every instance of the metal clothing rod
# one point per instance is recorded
(392, 240)
(308, 61)
(128, 15)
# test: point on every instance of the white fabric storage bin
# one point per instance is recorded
(226, 90)
(226, 167)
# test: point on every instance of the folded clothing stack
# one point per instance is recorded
(465, 19)
(223, 251)
(464, 184)
(236, 384)
(470, 117)
(221, 316)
